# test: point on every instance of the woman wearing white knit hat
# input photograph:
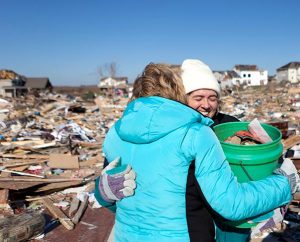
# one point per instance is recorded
(203, 94)
(203, 90)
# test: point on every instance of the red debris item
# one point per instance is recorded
(243, 134)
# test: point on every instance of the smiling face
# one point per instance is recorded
(205, 101)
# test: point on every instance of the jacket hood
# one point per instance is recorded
(148, 119)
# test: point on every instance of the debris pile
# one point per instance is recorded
(50, 152)
(276, 104)
(50, 155)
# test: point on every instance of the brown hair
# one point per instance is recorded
(160, 80)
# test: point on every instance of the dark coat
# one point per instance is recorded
(199, 213)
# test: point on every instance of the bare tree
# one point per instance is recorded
(113, 69)
(108, 69)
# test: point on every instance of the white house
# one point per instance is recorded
(250, 75)
(289, 72)
(112, 81)
(114, 86)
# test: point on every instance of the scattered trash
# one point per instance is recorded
(51, 146)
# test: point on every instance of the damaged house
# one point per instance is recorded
(289, 72)
(38, 84)
(11, 83)
(250, 75)
(14, 85)
(114, 86)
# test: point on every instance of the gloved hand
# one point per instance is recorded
(289, 170)
(269, 223)
(116, 182)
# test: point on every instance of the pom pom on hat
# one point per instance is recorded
(197, 75)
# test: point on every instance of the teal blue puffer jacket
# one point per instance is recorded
(159, 138)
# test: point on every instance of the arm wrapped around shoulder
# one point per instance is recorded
(115, 182)
(229, 198)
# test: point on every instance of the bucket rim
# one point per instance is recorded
(261, 146)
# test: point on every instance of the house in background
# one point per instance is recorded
(12, 84)
(114, 86)
(250, 75)
(38, 84)
(289, 72)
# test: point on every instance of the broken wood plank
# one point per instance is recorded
(4, 194)
(86, 144)
(57, 186)
(22, 156)
(74, 206)
(45, 180)
(23, 142)
(21, 168)
(80, 211)
(12, 185)
(45, 145)
(2, 169)
(291, 141)
(57, 213)
(25, 163)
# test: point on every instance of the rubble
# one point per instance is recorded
(51, 146)
(276, 105)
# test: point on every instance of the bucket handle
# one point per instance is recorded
(246, 172)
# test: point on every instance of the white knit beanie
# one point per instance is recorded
(197, 75)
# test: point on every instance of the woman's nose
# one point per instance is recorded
(205, 104)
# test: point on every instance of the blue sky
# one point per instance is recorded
(67, 40)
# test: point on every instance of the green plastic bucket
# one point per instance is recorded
(250, 162)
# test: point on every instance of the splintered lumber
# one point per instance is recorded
(25, 163)
(89, 145)
(74, 206)
(11, 185)
(20, 168)
(59, 185)
(291, 141)
(23, 183)
(23, 142)
(45, 180)
(22, 156)
(4, 194)
(80, 211)
(57, 213)
(83, 205)
(2, 169)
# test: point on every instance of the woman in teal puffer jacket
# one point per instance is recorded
(159, 138)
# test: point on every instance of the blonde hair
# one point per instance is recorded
(161, 80)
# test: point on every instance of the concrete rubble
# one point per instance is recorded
(50, 154)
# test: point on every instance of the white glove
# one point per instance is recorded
(289, 170)
(117, 181)
(269, 223)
